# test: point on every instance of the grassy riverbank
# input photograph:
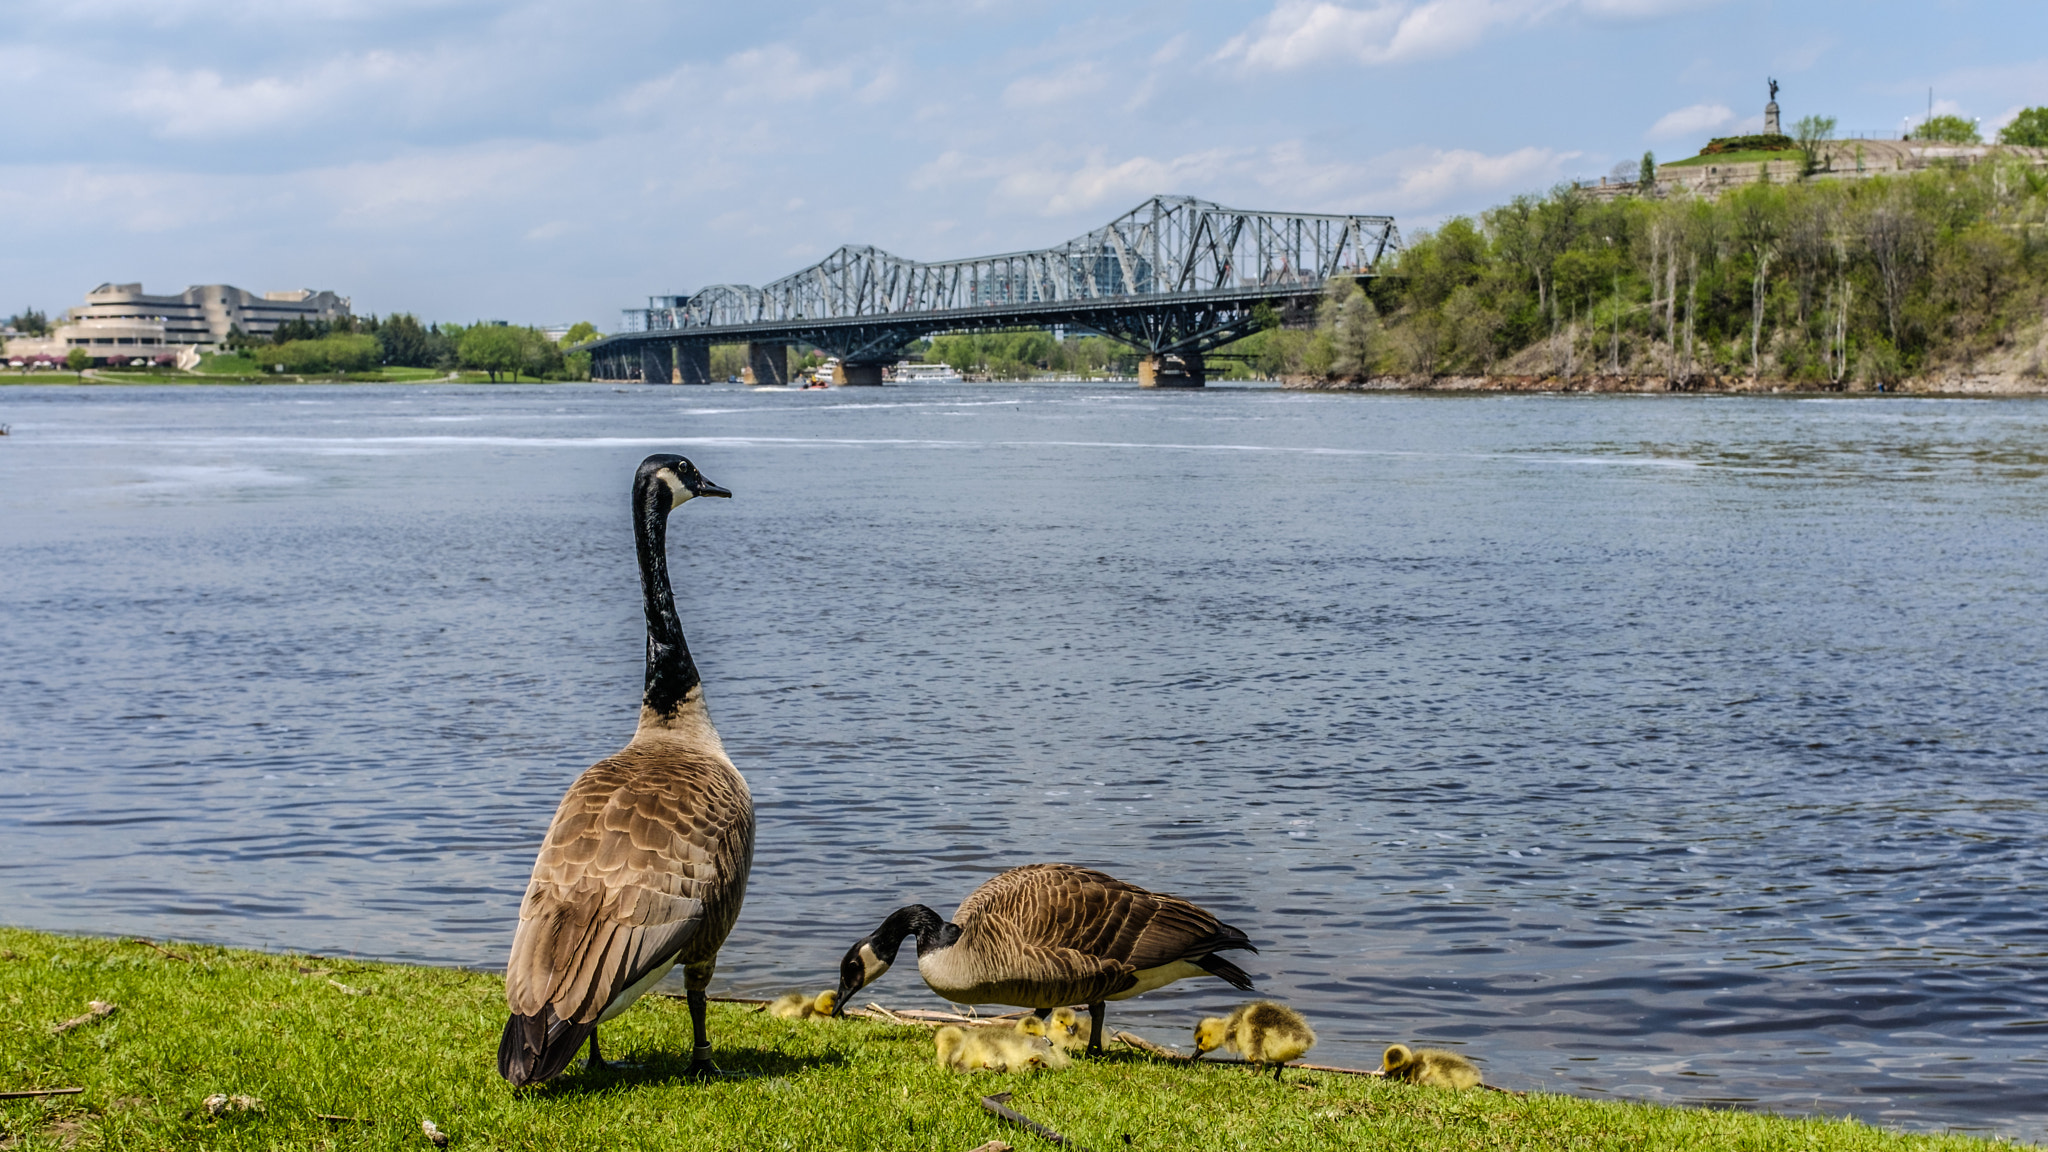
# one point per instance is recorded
(352, 1055)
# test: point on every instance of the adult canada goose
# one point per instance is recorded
(646, 862)
(1433, 1067)
(1047, 935)
(1262, 1032)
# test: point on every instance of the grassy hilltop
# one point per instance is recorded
(344, 1054)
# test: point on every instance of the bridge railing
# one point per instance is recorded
(1166, 246)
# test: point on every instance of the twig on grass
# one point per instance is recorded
(32, 1093)
(992, 1146)
(1000, 1105)
(96, 1009)
(333, 1119)
(159, 948)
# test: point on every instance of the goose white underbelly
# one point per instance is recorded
(624, 1000)
(1160, 977)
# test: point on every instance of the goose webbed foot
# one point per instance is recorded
(597, 1063)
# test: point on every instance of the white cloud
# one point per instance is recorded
(1073, 82)
(1297, 33)
(203, 104)
(1690, 121)
(1283, 176)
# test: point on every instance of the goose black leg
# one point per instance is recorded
(596, 1063)
(1096, 1012)
(700, 1058)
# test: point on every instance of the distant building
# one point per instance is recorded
(121, 320)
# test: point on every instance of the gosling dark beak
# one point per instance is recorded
(703, 487)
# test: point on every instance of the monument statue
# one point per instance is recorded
(1771, 112)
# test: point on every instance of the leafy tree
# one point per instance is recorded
(342, 353)
(30, 322)
(78, 360)
(539, 357)
(1948, 130)
(492, 348)
(404, 342)
(299, 328)
(1646, 175)
(2029, 128)
(581, 332)
(1811, 132)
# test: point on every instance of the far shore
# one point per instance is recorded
(1958, 385)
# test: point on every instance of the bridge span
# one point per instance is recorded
(1174, 278)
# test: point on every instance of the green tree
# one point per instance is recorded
(29, 322)
(1646, 176)
(1811, 132)
(491, 348)
(78, 360)
(539, 357)
(1948, 130)
(404, 342)
(2029, 128)
(581, 332)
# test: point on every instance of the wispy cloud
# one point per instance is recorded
(1690, 120)
(1297, 33)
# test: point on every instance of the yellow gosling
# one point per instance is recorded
(826, 1003)
(1065, 1031)
(1432, 1067)
(949, 1041)
(790, 1006)
(995, 1050)
(1262, 1032)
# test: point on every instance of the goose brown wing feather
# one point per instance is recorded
(1092, 914)
(646, 854)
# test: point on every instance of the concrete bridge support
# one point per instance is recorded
(657, 362)
(852, 375)
(1172, 370)
(693, 364)
(768, 365)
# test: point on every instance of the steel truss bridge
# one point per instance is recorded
(1174, 278)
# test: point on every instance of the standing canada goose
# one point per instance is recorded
(1262, 1032)
(646, 862)
(1047, 935)
(1432, 1067)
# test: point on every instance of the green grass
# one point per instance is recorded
(391, 1045)
(1731, 158)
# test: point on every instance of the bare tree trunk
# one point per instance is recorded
(1692, 296)
(1756, 313)
(1671, 313)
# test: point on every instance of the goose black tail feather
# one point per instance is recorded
(537, 1048)
(1223, 969)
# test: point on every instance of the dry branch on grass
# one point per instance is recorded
(32, 1093)
(96, 1010)
(159, 948)
(999, 1104)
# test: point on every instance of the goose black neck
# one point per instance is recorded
(670, 672)
(917, 920)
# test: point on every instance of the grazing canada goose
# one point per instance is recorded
(1262, 1032)
(646, 862)
(995, 1050)
(1433, 1067)
(1047, 935)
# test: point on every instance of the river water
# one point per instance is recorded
(1673, 748)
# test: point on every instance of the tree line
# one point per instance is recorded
(366, 343)
(1821, 283)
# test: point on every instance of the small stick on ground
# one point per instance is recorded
(32, 1093)
(1163, 1052)
(1000, 1105)
(993, 1146)
(1132, 1040)
(165, 951)
(96, 1009)
(885, 1014)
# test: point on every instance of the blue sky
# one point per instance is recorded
(547, 161)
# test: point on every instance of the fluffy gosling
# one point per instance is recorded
(995, 1050)
(1065, 1030)
(1429, 1066)
(1262, 1032)
(798, 1006)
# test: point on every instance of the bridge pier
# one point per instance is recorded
(859, 375)
(1171, 370)
(693, 364)
(657, 362)
(768, 365)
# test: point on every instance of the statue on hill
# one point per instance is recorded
(1771, 112)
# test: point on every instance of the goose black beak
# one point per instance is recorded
(703, 487)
